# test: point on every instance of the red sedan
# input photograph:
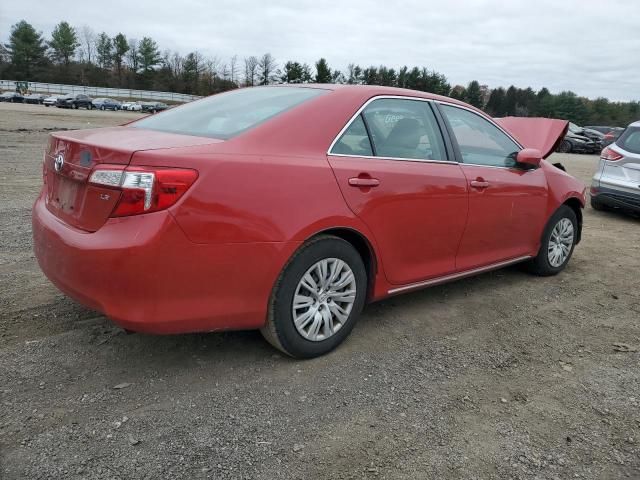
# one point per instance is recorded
(288, 208)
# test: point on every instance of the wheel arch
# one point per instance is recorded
(574, 204)
(364, 248)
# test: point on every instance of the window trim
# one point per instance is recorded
(400, 97)
(454, 140)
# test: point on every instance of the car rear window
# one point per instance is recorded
(630, 140)
(228, 114)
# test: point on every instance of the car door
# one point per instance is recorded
(507, 201)
(395, 174)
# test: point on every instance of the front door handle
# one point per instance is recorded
(479, 184)
(364, 182)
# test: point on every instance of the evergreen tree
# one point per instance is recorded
(120, 49)
(27, 50)
(295, 72)
(104, 50)
(323, 72)
(474, 95)
(510, 101)
(496, 103)
(64, 42)
(148, 54)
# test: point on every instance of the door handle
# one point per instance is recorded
(479, 183)
(364, 182)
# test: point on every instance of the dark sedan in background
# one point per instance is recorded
(12, 97)
(578, 140)
(153, 107)
(106, 104)
(35, 98)
(74, 100)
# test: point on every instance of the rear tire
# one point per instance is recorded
(555, 252)
(329, 320)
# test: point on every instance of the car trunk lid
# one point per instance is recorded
(71, 156)
(544, 134)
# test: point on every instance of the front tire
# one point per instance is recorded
(317, 298)
(558, 241)
(565, 147)
(596, 205)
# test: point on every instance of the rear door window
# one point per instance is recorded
(404, 129)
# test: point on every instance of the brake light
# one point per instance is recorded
(144, 189)
(610, 154)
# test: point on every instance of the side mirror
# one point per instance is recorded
(529, 156)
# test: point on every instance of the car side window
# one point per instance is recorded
(354, 141)
(403, 128)
(480, 141)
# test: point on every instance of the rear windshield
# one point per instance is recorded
(630, 140)
(226, 115)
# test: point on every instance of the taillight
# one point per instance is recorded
(144, 189)
(610, 154)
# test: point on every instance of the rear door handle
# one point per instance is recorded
(364, 182)
(479, 184)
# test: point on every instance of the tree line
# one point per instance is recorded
(84, 57)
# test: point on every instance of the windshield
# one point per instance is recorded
(575, 128)
(226, 115)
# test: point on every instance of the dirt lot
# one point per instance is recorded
(499, 376)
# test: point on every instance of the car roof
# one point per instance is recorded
(635, 124)
(375, 90)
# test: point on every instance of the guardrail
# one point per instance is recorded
(56, 88)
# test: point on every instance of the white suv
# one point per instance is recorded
(616, 183)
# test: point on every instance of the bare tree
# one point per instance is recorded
(250, 71)
(132, 55)
(233, 69)
(266, 69)
(88, 41)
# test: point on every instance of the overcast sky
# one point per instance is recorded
(589, 46)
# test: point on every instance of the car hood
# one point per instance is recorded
(544, 134)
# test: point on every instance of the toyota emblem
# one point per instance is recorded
(58, 163)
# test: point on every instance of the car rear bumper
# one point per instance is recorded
(616, 198)
(144, 274)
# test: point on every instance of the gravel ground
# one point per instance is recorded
(501, 376)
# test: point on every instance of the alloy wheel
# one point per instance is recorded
(560, 242)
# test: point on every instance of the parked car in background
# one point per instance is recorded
(51, 100)
(131, 106)
(206, 217)
(611, 134)
(75, 100)
(153, 107)
(35, 98)
(12, 97)
(106, 104)
(594, 135)
(577, 140)
(616, 183)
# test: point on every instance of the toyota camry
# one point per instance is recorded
(288, 208)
